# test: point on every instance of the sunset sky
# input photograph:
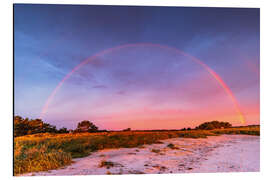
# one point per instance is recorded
(137, 65)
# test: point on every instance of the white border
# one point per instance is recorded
(6, 84)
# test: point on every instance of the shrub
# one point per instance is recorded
(86, 126)
(107, 164)
(172, 146)
(127, 129)
(214, 125)
(155, 150)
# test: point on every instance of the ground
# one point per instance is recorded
(225, 153)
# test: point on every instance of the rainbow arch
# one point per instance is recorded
(177, 51)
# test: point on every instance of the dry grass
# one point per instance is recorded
(172, 146)
(155, 150)
(41, 152)
(250, 130)
(107, 164)
(39, 159)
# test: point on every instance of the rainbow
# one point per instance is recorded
(177, 51)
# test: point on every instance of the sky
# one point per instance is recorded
(136, 67)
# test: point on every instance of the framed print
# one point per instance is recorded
(110, 90)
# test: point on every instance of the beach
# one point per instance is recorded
(225, 153)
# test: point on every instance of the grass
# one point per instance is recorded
(39, 159)
(42, 152)
(252, 130)
(107, 164)
(172, 146)
(155, 150)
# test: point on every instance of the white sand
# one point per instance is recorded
(226, 153)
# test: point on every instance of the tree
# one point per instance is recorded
(49, 128)
(20, 126)
(214, 125)
(86, 126)
(35, 126)
(127, 129)
(25, 126)
(63, 130)
(210, 127)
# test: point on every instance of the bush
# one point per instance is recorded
(107, 164)
(214, 125)
(155, 150)
(86, 126)
(127, 129)
(172, 146)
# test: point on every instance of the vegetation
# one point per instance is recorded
(248, 130)
(39, 158)
(33, 126)
(107, 164)
(172, 146)
(155, 150)
(86, 126)
(127, 129)
(214, 125)
(45, 151)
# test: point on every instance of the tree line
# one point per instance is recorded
(26, 126)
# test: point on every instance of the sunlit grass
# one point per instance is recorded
(251, 130)
(41, 152)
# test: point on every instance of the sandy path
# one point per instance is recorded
(226, 153)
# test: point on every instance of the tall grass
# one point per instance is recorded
(39, 159)
(250, 130)
(46, 151)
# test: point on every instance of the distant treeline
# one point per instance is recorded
(25, 126)
(204, 126)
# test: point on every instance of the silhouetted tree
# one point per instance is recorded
(214, 125)
(127, 129)
(63, 130)
(25, 127)
(49, 128)
(20, 126)
(86, 126)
